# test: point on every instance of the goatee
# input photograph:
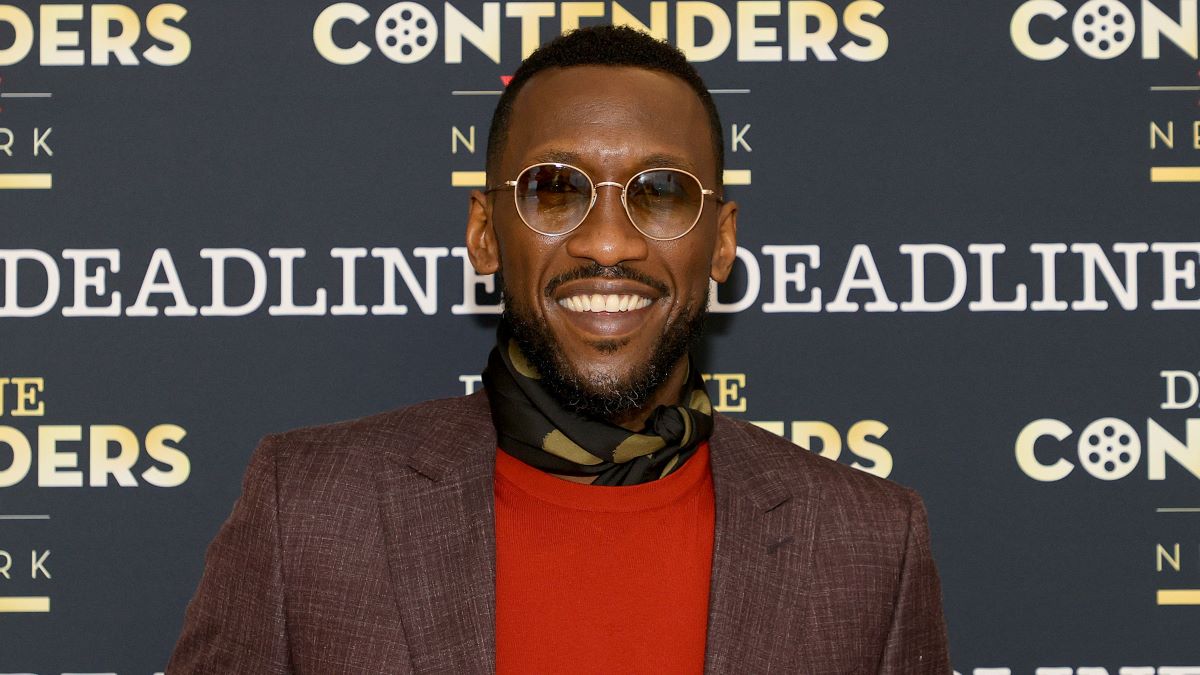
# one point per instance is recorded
(604, 397)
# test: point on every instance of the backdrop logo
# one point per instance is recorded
(113, 32)
(409, 32)
(1103, 29)
(786, 279)
(49, 454)
(1110, 448)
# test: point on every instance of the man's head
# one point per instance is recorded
(605, 313)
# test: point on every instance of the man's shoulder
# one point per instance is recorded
(833, 483)
(356, 445)
(853, 511)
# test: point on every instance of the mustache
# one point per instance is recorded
(598, 271)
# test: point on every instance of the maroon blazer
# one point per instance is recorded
(369, 547)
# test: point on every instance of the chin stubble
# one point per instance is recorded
(602, 396)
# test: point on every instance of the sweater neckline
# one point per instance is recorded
(607, 498)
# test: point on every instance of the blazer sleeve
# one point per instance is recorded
(235, 622)
(917, 640)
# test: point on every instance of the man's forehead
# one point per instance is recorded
(594, 113)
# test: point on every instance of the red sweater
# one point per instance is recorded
(593, 579)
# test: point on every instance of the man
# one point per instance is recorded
(586, 512)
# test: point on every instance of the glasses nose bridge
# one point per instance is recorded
(596, 197)
(607, 183)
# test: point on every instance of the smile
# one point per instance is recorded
(597, 302)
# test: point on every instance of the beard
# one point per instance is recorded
(603, 396)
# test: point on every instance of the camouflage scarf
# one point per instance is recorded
(536, 429)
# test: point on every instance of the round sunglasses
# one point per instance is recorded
(553, 199)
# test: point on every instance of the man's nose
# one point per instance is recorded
(607, 236)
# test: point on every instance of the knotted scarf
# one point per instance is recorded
(534, 427)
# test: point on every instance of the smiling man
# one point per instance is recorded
(587, 512)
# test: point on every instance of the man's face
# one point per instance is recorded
(611, 122)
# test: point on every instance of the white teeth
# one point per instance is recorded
(604, 303)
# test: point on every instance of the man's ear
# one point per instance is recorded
(725, 250)
(482, 246)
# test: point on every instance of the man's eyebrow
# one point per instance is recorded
(557, 157)
(668, 161)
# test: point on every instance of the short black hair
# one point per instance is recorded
(602, 46)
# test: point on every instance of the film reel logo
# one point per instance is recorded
(1103, 28)
(1109, 448)
(406, 32)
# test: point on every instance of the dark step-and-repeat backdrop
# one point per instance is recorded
(968, 262)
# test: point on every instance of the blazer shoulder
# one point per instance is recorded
(352, 449)
(851, 490)
(392, 431)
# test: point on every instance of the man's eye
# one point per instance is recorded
(558, 186)
(655, 195)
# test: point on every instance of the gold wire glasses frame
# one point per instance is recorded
(593, 190)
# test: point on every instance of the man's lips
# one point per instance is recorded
(607, 308)
(605, 302)
(604, 295)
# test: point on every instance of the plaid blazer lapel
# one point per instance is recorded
(437, 501)
(762, 557)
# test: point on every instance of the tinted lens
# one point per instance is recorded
(553, 198)
(664, 203)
